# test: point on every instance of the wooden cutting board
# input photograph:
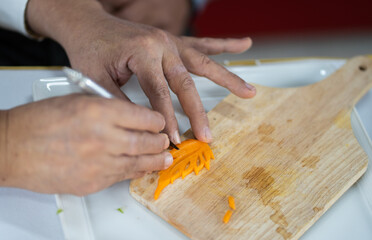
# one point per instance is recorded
(286, 156)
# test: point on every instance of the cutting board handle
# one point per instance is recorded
(359, 68)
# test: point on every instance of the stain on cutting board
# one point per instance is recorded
(342, 120)
(266, 129)
(310, 161)
(269, 189)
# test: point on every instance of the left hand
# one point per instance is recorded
(169, 15)
(110, 50)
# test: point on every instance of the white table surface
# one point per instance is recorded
(28, 215)
(25, 214)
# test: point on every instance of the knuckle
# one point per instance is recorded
(187, 83)
(132, 164)
(133, 143)
(90, 147)
(202, 114)
(152, 38)
(161, 34)
(175, 71)
(201, 65)
(161, 92)
(205, 60)
(97, 132)
(204, 43)
(91, 108)
(136, 161)
(147, 41)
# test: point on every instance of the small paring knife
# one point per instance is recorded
(173, 145)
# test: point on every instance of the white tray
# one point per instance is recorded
(95, 216)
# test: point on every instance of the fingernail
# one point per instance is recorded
(167, 141)
(250, 87)
(248, 38)
(168, 160)
(176, 137)
(207, 134)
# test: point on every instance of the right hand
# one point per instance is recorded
(81, 144)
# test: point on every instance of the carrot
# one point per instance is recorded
(231, 202)
(227, 216)
(192, 156)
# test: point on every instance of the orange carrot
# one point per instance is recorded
(227, 216)
(231, 202)
(192, 156)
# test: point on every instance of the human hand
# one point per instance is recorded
(110, 50)
(169, 15)
(79, 144)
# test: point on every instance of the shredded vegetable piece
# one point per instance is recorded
(192, 156)
(59, 211)
(120, 210)
(231, 202)
(227, 216)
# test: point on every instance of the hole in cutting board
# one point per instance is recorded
(362, 68)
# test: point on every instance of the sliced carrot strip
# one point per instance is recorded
(231, 202)
(192, 156)
(227, 216)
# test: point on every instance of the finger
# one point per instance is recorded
(115, 90)
(199, 64)
(183, 86)
(127, 142)
(153, 83)
(211, 46)
(146, 163)
(131, 116)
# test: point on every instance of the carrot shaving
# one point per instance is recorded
(231, 202)
(192, 156)
(227, 216)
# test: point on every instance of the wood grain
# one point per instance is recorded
(285, 156)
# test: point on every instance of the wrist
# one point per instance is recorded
(62, 21)
(4, 161)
